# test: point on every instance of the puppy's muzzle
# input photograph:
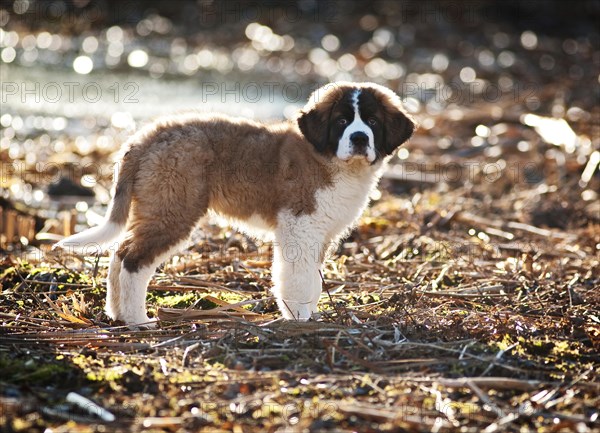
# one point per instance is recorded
(360, 142)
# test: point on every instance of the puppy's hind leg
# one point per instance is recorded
(141, 253)
(156, 231)
(169, 198)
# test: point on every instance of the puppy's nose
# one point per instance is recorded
(359, 140)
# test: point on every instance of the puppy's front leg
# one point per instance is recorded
(297, 260)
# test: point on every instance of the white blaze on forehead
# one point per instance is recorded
(345, 149)
(355, 95)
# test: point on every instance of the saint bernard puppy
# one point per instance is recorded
(302, 184)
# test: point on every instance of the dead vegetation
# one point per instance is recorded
(439, 313)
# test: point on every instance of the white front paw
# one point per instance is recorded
(294, 310)
(137, 321)
(145, 323)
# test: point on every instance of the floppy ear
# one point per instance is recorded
(314, 125)
(399, 127)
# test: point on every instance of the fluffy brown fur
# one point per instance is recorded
(175, 170)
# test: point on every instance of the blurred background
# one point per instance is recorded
(506, 94)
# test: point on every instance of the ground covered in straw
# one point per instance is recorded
(443, 310)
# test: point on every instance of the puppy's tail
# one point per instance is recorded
(97, 238)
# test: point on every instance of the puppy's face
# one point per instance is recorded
(355, 121)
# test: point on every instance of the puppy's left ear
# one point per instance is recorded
(399, 127)
(314, 125)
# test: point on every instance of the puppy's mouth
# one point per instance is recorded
(355, 161)
(357, 157)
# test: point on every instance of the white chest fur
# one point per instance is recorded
(340, 205)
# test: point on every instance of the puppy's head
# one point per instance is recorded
(352, 121)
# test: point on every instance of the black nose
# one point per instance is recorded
(359, 140)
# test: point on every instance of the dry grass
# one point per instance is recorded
(436, 316)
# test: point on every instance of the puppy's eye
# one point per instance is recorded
(342, 121)
(372, 121)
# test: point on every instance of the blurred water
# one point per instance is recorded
(38, 90)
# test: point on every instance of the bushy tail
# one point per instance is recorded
(97, 238)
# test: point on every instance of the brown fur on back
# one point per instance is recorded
(178, 168)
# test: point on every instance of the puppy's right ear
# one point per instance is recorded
(314, 125)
